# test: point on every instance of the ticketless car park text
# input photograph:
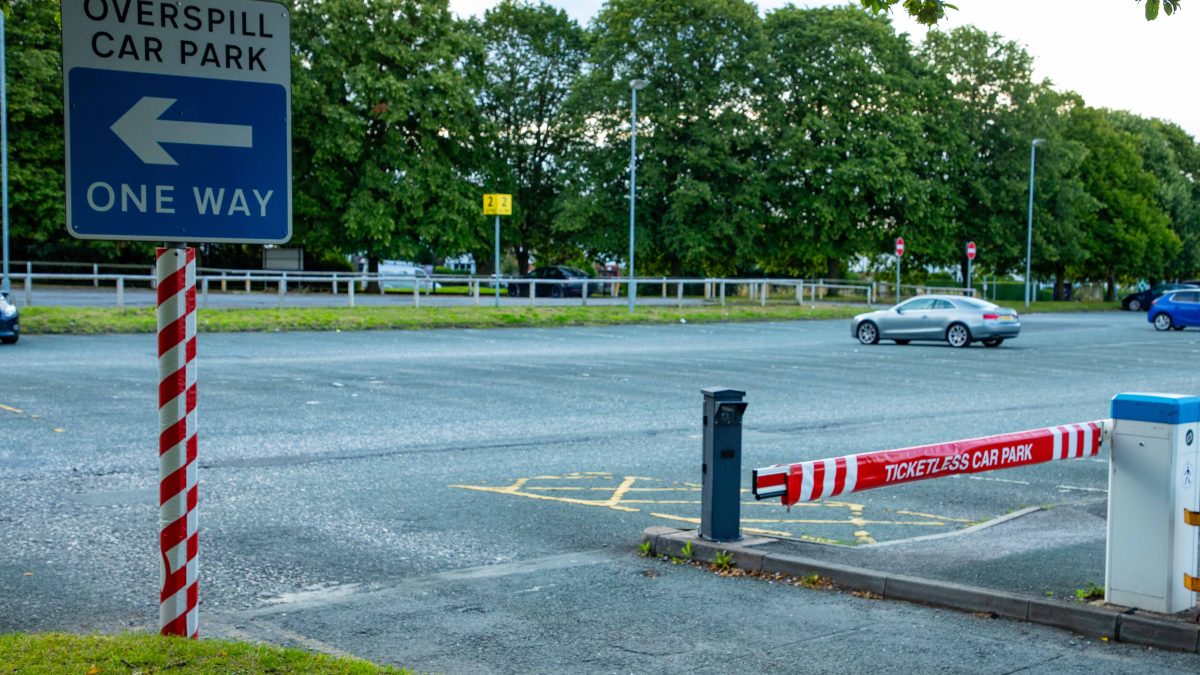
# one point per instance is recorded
(990, 458)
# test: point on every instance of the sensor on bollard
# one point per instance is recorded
(1153, 500)
(720, 512)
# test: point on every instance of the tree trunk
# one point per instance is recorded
(373, 268)
(833, 268)
(1110, 290)
(522, 260)
(1059, 293)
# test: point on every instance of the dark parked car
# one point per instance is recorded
(560, 281)
(10, 327)
(1176, 309)
(1140, 301)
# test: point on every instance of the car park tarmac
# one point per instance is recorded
(472, 500)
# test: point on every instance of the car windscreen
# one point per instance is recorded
(974, 303)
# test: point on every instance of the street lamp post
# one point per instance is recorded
(634, 86)
(4, 282)
(1029, 233)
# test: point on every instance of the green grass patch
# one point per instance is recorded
(78, 320)
(145, 653)
(86, 320)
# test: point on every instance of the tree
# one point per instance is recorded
(385, 130)
(1128, 236)
(35, 142)
(697, 182)
(531, 57)
(995, 113)
(848, 166)
(1182, 201)
(1171, 156)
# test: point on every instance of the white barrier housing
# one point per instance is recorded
(1153, 501)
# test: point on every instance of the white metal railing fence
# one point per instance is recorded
(711, 290)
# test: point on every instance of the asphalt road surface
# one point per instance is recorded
(471, 500)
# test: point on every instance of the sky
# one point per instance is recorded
(1103, 49)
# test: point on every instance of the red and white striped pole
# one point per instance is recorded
(177, 489)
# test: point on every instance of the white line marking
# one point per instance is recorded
(1084, 489)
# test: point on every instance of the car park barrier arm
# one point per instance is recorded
(816, 479)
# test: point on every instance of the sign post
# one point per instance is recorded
(497, 205)
(178, 129)
(899, 255)
(970, 259)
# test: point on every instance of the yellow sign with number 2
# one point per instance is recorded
(497, 205)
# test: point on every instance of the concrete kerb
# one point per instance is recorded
(1084, 619)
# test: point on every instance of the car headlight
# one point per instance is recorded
(7, 311)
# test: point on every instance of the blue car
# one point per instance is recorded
(1176, 309)
(10, 327)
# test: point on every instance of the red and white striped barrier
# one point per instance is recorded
(177, 489)
(810, 481)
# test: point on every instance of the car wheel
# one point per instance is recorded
(556, 291)
(1135, 305)
(868, 333)
(958, 335)
(1163, 321)
(10, 340)
(993, 342)
(903, 342)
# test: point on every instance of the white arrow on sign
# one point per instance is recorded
(141, 129)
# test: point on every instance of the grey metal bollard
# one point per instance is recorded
(721, 498)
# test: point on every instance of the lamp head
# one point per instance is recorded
(638, 85)
(1039, 141)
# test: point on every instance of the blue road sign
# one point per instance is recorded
(177, 158)
(178, 121)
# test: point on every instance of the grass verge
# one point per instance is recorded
(77, 320)
(87, 320)
(144, 653)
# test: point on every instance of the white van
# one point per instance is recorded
(400, 275)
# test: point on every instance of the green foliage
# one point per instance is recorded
(723, 561)
(697, 182)
(1169, 7)
(847, 165)
(929, 12)
(646, 549)
(794, 144)
(385, 129)
(530, 58)
(687, 551)
(1128, 234)
(1090, 592)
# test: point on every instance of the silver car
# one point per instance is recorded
(956, 319)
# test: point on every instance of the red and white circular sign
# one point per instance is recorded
(899, 246)
(970, 250)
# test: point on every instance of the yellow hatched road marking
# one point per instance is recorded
(617, 499)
